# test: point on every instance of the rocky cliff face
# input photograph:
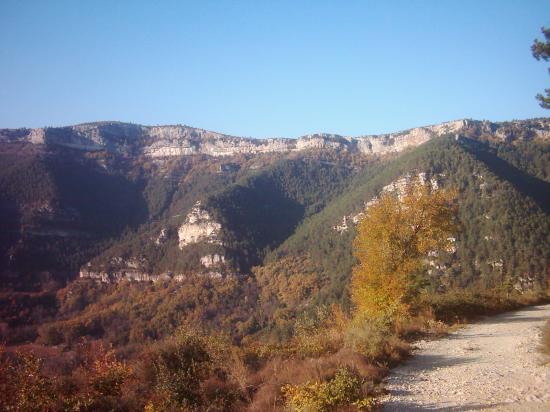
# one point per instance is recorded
(213, 260)
(397, 142)
(119, 269)
(168, 141)
(398, 187)
(199, 227)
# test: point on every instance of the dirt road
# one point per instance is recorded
(492, 365)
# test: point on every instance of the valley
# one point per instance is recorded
(130, 236)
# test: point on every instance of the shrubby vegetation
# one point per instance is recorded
(344, 389)
(131, 313)
(193, 371)
(292, 326)
(94, 381)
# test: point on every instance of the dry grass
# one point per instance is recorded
(422, 325)
(368, 347)
(279, 372)
(462, 306)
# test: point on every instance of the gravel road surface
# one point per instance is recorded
(492, 365)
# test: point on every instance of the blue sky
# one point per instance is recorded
(270, 68)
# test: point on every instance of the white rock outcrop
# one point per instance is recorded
(212, 260)
(116, 276)
(37, 136)
(198, 227)
(397, 142)
(129, 269)
(162, 237)
(398, 187)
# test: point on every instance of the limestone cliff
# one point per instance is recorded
(398, 187)
(119, 269)
(198, 227)
(168, 141)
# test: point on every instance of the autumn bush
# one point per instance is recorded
(95, 384)
(196, 371)
(297, 372)
(23, 387)
(319, 333)
(345, 388)
(371, 338)
(98, 382)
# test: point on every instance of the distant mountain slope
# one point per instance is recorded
(58, 208)
(504, 214)
(243, 235)
(122, 196)
(234, 221)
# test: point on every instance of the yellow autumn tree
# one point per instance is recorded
(393, 242)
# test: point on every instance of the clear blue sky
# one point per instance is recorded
(270, 68)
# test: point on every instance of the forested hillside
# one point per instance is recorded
(503, 197)
(59, 208)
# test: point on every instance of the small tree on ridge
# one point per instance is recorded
(541, 50)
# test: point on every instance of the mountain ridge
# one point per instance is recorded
(130, 139)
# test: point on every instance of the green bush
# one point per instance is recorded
(367, 337)
(344, 389)
(193, 369)
(318, 334)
